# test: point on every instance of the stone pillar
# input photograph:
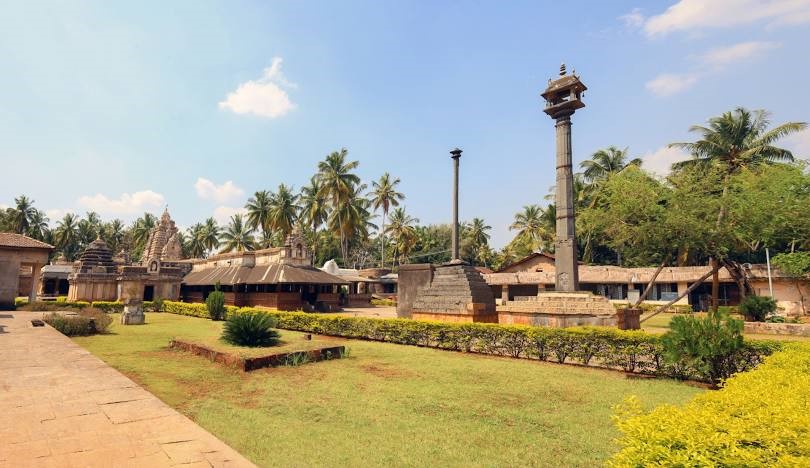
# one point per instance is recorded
(504, 293)
(456, 154)
(132, 297)
(565, 254)
(36, 269)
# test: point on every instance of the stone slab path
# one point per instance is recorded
(61, 406)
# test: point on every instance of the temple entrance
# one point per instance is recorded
(309, 294)
(148, 292)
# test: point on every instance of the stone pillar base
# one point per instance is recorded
(629, 318)
(133, 315)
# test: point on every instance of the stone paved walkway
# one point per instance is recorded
(61, 406)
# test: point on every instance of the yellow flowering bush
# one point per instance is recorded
(758, 418)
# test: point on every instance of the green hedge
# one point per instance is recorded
(758, 418)
(648, 307)
(193, 310)
(631, 351)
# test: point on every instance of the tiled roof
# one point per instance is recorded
(19, 241)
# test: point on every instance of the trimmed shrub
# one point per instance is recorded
(20, 301)
(250, 330)
(758, 418)
(192, 310)
(43, 306)
(215, 304)
(157, 304)
(383, 302)
(709, 344)
(757, 308)
(89, 321)
(111, 307)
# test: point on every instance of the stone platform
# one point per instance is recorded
(457, 293)
(559, 309)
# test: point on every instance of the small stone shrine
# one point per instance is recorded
(95, 275)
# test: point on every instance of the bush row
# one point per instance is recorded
(111, 307)
(89, 321)
(758, 418)
(647, 307)
(631, 351)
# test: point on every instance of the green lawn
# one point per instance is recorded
(385, 404)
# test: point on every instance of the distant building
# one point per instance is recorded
(20, 254)
(535, 273)
(279, 277)
(363, 284)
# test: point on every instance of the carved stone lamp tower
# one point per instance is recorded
(563, 97)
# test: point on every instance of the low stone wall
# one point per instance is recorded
(271, 360)
(766, 328)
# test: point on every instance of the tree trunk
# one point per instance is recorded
(382, 244)
(651, 283)
(715, 284)
(688, 290)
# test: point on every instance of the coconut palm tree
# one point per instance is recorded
(283, 211)
(67, 236)
(532, 228)
(258, 211)
(476, 235)
(38, 225)
(314, 209)
(338, 185)
(141, 229)
(113, 234)
(23, 212)
(384, 195)
(195, 240)
(351, 219)
(605, 162)
(402, 228)
(237, 236)
(738, 139)
(733, 141)
(211, 234)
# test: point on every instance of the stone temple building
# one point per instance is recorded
(278, 277)
(98, 276)
(162, 260)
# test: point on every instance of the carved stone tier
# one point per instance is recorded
(559, 309)
(457, 293)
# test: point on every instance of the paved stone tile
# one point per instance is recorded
(61, 406)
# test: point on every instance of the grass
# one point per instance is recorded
(386, 404)
(660, 324)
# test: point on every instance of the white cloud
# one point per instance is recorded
(691, 15)
(55, 214)
(3, 207)
(712, 61)
(667, 84)
(634, 19)
(123, 205)
(722, 56)
(799, 144)
(660, 161)
(223, 214)
(264, 97)
(224, 193)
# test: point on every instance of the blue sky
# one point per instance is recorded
(122, 107)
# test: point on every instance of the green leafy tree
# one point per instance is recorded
(23, 212)
(211, 234)
(532, 228)
(733, 141)
(67, 236)
(797, 266)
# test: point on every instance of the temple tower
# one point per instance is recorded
(563, 97)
